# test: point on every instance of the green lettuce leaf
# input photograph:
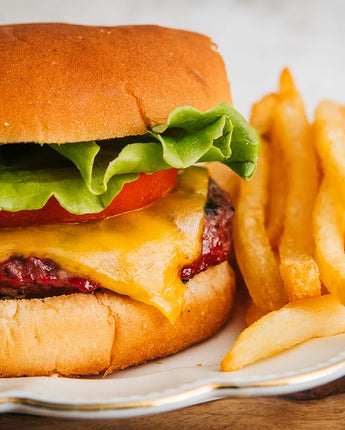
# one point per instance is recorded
(86, 176)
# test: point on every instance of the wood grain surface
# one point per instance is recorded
(320, 408)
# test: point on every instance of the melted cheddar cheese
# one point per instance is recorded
(139, 254)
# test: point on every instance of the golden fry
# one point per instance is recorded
(277, 188)
(330, 143)
(293, 324)
(262, 121)
(262, 115)
(287, 87)
(254, 255)
(329, 239)
(292, 130)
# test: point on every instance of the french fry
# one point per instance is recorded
(291, 325)
(256, 260)
(277, 188)
(262, 121)
(262, 115)
(329, 239)
(298, 268)
(253, 313)
(329, 131)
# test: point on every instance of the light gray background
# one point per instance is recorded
(256, 37)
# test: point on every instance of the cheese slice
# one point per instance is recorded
(139, 254)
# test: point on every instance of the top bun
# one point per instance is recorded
(71, 83)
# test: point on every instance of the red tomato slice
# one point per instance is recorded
(134, 195)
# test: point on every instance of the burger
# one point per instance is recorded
(114, 246)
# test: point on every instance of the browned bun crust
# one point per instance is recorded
(71, 83)
(82, 334)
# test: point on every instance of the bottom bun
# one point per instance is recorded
(84, 334)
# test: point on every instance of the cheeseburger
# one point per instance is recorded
(114, 246)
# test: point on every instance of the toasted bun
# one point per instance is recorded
(71, 83)
(84, 334)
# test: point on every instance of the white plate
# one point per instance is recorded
(188, 378)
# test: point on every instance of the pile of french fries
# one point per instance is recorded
(289, 228)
